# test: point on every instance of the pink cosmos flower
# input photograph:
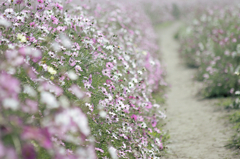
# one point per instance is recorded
(157, 130)
(154, 123)
(134, 117)
(70, 120)
(40, 1)
(32, 24)
(68, 1)
(109, 65)
(59, 6)
(106, 72)
(34, 53)
(28, 152)
(140, 118)
(14, 58)
(40, 7)
(39, 134)
(161, 146)
(10, 153)
(108, 81)
(52, 88)
(31, 106)
(98, 149)
(72, 61)
(104, 91)
(54, 20)
(11, 90)
(148, 105)
(19, 1)
(231, 90)
(77, 91)
(61, 28)
(78, 68)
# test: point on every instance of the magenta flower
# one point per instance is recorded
(77, 91)
(40, 135)
(40, 7)
(106, 72)
(59, 6)
(11, 90)
(40, 1)
(109, 65)
(148, 105)
(157, 130)
(10, 153)
(32, 106)
(54, 20)
(72, 62)
(70, 120)
(32, 24)
(14, 58)
(154, 123)
(61, 28)
(134, 117)
(98, 149)
(19, 1)
(28, 152)
(34, 53)
(78, 68)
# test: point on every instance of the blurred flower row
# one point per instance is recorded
(211, 43)
(76, 81)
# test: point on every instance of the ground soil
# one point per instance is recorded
(197, 127)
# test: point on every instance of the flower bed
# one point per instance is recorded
(76, 81)
(211, 43)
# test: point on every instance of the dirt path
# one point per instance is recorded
(196, 126)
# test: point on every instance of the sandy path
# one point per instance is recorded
(196, 126)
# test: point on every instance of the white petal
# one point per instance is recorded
(11, 103)
(49, 99)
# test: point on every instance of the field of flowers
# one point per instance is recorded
(76, 81)
(211, 43)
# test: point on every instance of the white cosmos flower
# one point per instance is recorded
(29, 90)
(113, 152)
(21, 37)
(110, 47)
(51, 70)
(237, 92)
(56, 47)
(64, 101)
(49, 99)
(130, 85)
(140, 72)
(11, 103)
(103, 114)
(65, 41)
(72, 75)
(5, 23)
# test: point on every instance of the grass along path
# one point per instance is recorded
(196, 126)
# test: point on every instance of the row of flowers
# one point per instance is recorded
(211, 43)
(76, 81)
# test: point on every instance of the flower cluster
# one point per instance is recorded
(76, 81)
(211, 43)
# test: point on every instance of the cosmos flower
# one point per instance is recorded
(51, 70)
(21, 38)
(74, 76)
